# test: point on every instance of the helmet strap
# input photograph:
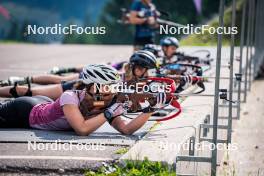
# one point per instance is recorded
(143, 73)
(133, 71)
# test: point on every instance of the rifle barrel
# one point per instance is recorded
(192, 94)
(175, 94)
(170, 23)
(212, 77)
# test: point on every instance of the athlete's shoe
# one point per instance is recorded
(4, 83)
(19, 80)
(61, 70)
(55, 71)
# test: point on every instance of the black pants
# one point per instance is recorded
(15, 113)
(141, 42)
(68, 85)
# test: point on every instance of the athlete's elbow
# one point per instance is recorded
(126, 131)
(83, 132)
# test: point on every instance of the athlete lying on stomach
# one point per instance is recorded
(140, 63)
(74, 108)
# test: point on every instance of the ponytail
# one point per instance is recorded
(127, 67)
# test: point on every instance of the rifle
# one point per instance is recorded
(125, 15)
(177, 78)
(184, 81)
(181, 69)
(208, 53)
(133, 100)
(188, 63)
(187, 80)
(192, 59)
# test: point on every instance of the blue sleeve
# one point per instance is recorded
(135, 6)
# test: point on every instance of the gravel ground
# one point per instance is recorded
(247, 136)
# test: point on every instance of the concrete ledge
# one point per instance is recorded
(172, 134)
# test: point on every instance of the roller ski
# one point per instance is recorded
(14, 80)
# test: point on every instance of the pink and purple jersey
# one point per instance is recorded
(50, 116)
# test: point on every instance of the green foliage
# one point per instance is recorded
(134, 168)
(17, 32)
(121, 151)
(115, 33)
(71, 38)
(207, 39)
(179, 11)
(80, 39)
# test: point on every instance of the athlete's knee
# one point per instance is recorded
(15, 93)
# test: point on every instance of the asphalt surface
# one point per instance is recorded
(25, 60)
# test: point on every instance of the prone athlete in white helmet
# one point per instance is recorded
(140, 63)
(169, 47)
(73, 109)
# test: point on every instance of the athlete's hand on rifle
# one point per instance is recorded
(114, 111)
(159, 103)
(161, 100)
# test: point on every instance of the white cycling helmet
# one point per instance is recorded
(169, 41)
(100, 74)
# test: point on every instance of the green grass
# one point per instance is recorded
(134, 168)
(121, 151)
(8, 41)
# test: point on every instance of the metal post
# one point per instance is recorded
(230, 110)
(262, 27)
(259, 37)
(242, 36)
(256, 38)
(249, 46)
(258, 31)
(261, 30)
(251, 42)
(217, 81)
(247, 57)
